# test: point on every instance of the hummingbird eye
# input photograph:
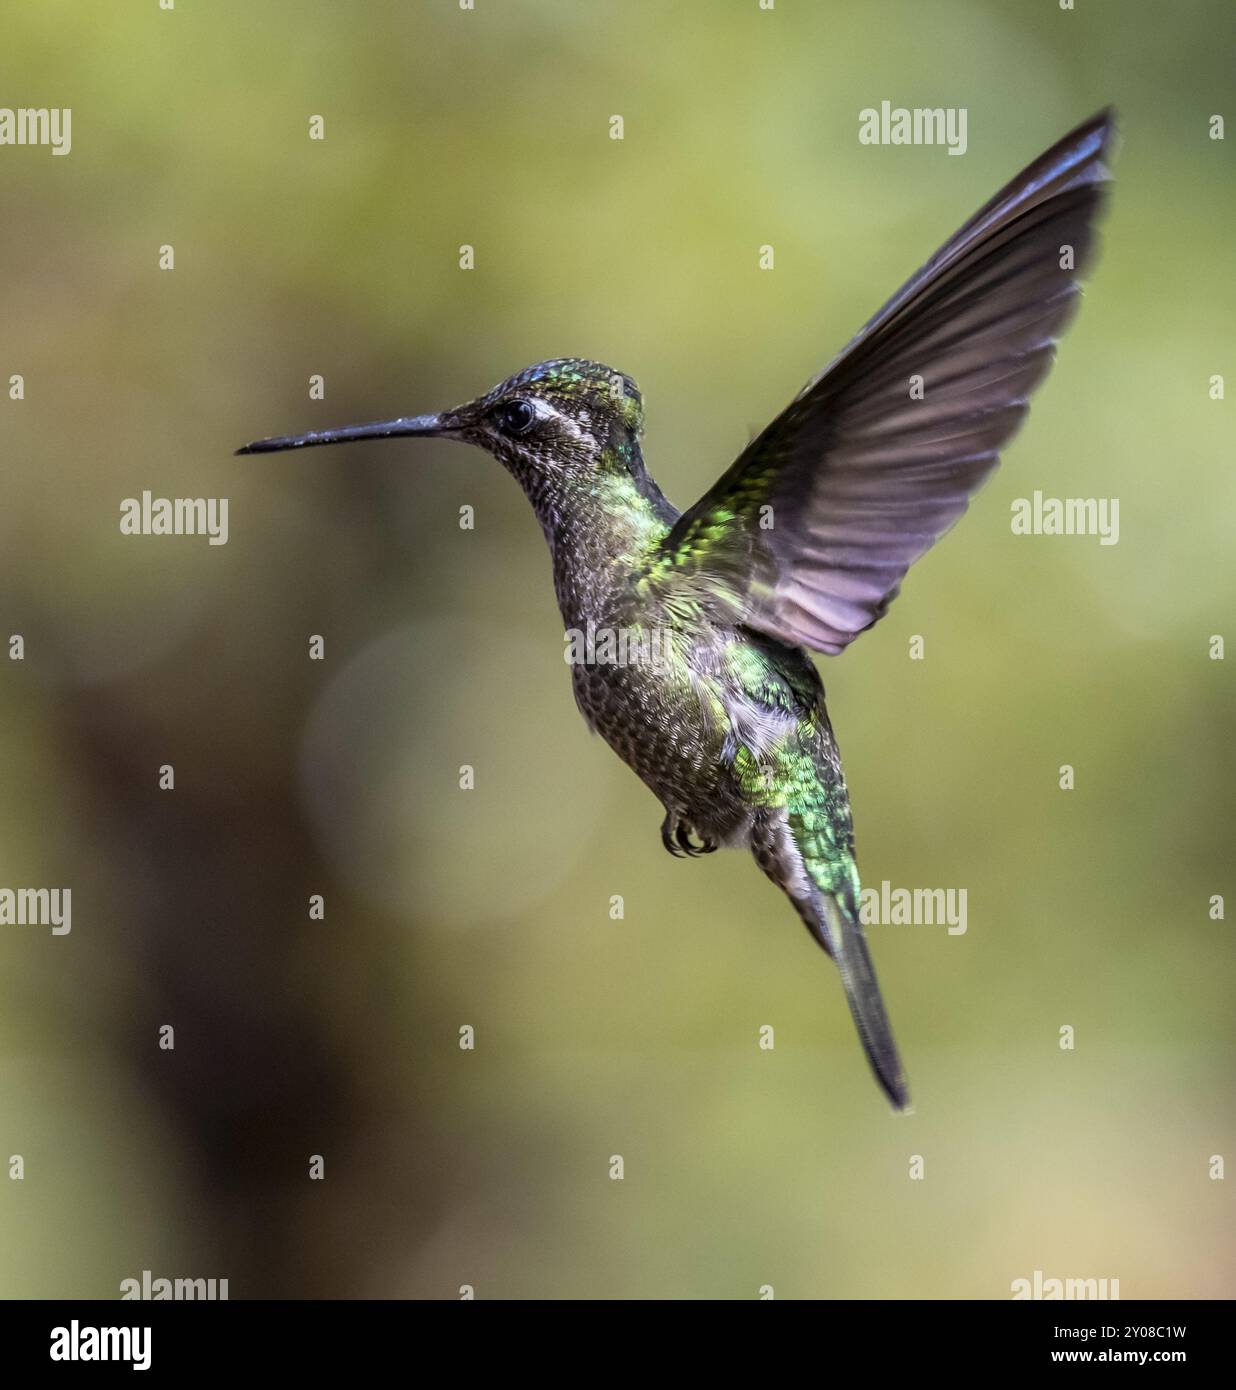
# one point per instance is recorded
(517, 417)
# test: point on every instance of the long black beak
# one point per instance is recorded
(425, 426)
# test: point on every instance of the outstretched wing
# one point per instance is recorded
(808, 534)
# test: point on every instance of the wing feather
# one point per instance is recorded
(809, 533)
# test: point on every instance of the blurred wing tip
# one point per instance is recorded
(1108, 119)
(1101, 127)
(1100, 137)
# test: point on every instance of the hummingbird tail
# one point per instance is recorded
(824, 889)
(839, 931)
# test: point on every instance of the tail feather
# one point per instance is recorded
(841, 935)
(827, 901)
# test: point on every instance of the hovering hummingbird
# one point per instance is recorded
(801, 543)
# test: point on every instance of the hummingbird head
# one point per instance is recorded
(565, 417)
(568, 430)
(557, 419)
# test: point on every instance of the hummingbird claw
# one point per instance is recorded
(668, 826)
(676, 835)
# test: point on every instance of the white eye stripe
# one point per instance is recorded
(570, 424)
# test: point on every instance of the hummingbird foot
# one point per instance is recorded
(676, 832)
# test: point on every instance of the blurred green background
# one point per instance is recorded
(490, 908)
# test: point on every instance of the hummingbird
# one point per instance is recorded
(798, 547)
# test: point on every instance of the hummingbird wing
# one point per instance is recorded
(808, 534)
